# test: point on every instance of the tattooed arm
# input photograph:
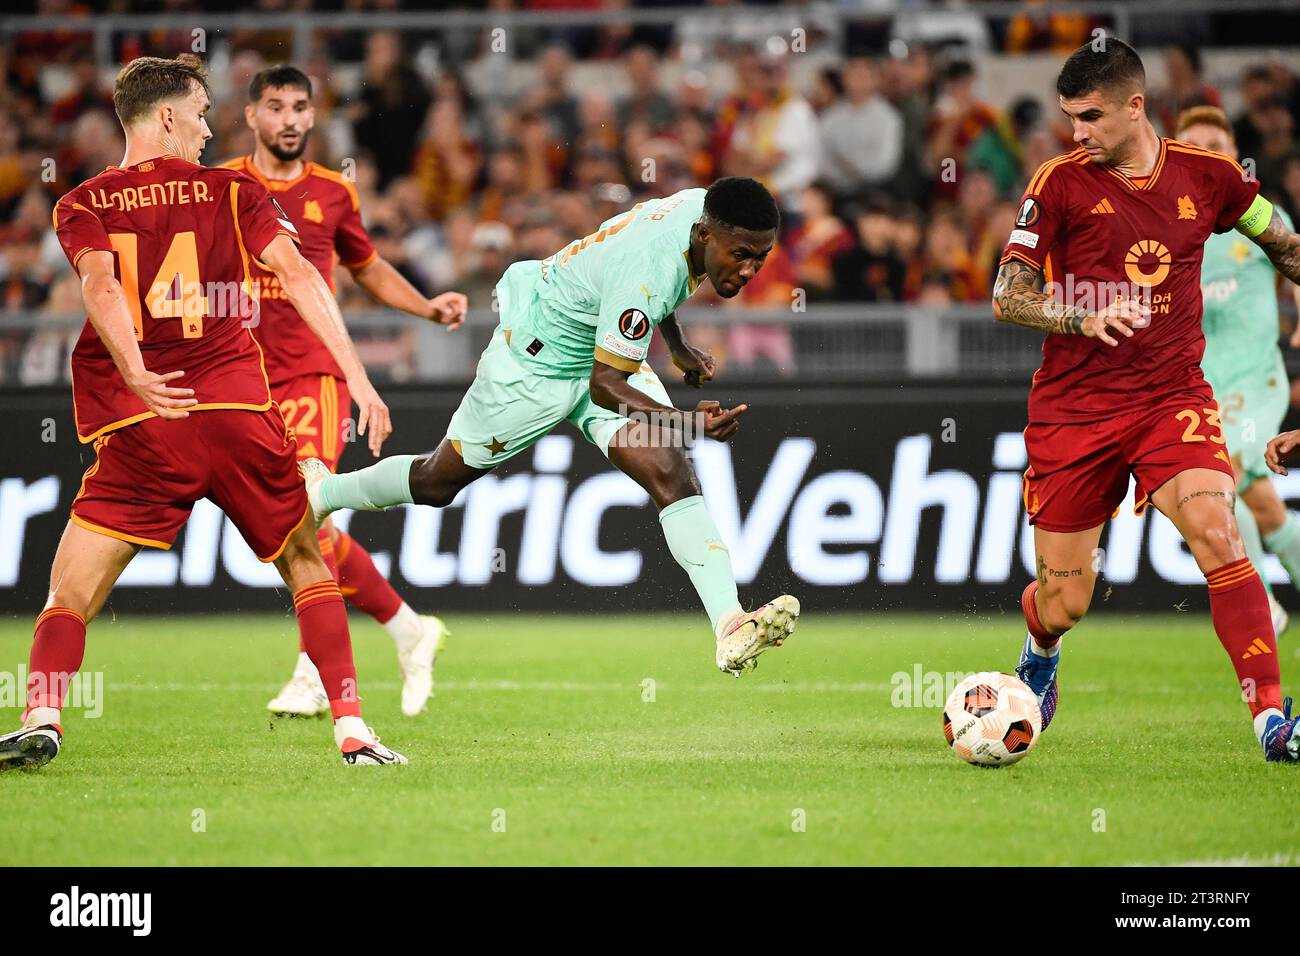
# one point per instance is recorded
(1018, 298)
(1282, 246)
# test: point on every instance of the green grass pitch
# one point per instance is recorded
(541, 748)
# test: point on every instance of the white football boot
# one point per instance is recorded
(751, 633)
(1281, 620)
(303, 696)
(314, 471)
(416, 664)
(360, 744)
(30, 747)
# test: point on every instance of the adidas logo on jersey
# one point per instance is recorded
(1103, 206)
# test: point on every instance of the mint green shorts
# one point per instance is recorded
(1251, 410)
(508, 408)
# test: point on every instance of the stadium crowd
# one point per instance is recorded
(899, 182)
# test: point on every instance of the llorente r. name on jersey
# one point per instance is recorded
(601, 298)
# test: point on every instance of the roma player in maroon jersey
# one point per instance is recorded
(1105, 258)
(169, 385)
(307, 382)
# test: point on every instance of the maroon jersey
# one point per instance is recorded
(325, 208)
(1098, 235)
(182, 237)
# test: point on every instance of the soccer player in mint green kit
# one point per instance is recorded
(571, 346)
(1244, 367)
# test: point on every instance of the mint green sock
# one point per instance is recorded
(380, 486)
(1285, 543)
(1250, 538)
(694, 541)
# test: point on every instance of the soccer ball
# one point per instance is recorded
(992, 719)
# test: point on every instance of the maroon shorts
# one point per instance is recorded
(319, 410)
(1078, 472)
(147, 476)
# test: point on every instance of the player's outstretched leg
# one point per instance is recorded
(86, 566)
(1199, 503)
(323, 624)
(1052, 605)
(663, 469)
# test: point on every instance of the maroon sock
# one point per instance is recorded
(327, 555)
(1241, 616)
(57, 652)
(323, 624)
(1041, 635)
(362, 584)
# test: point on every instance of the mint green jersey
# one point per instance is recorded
(603, 295)
(1239, 287)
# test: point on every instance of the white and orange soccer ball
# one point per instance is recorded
(992, 719)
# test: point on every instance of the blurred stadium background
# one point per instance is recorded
(880, 464)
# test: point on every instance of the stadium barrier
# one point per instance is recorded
(869, 498)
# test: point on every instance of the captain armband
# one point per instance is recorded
(1256, 219)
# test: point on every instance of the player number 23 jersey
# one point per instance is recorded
(1098, 235)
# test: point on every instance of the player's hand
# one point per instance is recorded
(716, 422)
(449, 309)
(696, 363)
(1122, 316)
(1279, 451)
(164, 400)
(1295, 337)
(373, 414)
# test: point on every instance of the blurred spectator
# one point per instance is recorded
(862, 134)
(947, 261)
(779, 142)
(871, 270)
(392, 105)
(815, 242)
(1037, 29)
(1184, 88)
(447, 163)
(490, 250)
(906, 82)
(1277, 142)
(646, 104)
(87, 94)
(827, 88)
(552, 98)
(960, 118)
(999, 149)
(1257, 94)
(1289, 192)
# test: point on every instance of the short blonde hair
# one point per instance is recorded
(1205, 116)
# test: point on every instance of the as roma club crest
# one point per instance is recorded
(634, 324)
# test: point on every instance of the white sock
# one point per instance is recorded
(346, 727)
(39, 716)
(405, 627)
(1261, 721)
(305, 668)
(1044, 651)
(727, 618)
